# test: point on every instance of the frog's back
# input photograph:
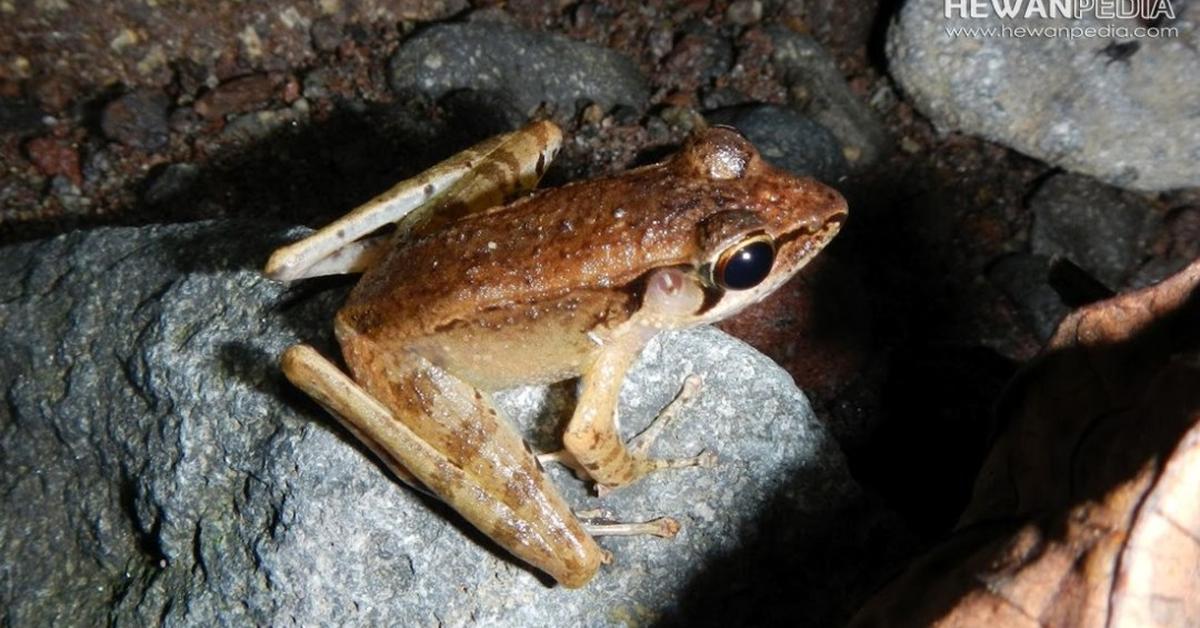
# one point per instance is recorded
(594, 237)
(590, 241)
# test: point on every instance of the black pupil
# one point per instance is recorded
(748, 266)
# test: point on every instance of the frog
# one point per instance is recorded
(485, 283)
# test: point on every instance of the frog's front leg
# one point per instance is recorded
(472, 180)
(593, 437)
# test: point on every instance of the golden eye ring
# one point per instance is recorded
(745, 264)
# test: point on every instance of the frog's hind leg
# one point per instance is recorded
(431, 427)
(475, 179)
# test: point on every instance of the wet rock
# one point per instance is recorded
(240, 95)
(820, 93)
(524, 68)
(1123, 114)
(1101, 229)
(1023, 278)
(53, 156)
(157, 467)
(138, 120)
(788, 140)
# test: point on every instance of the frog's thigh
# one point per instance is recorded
(471, 180)
(358, 412)
(592, 436)
(497, 485)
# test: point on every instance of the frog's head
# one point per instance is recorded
(759, 237)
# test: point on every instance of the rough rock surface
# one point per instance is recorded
(1121, 111)
(1101, 229)
(516, 68)
(158, 469)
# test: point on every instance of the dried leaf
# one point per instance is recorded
(1087, 511)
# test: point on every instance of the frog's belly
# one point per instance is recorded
(516, 345)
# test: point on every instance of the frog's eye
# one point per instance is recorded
(745, 264)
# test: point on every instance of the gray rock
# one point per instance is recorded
(1081, 104)
(137, 119)
(788, 140)
(157, 469)
(524, 68)
(820, 92)
(1101, 229)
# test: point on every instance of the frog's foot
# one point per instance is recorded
(639, 447)
(600, 523)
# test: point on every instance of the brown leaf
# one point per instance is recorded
(1087, 511)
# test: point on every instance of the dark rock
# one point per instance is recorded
(1023, 278)
(1127, 118)
(1101, 229)
(788, 140)
(524, 68)
(138, 120)
(158, 469)
(820, 93)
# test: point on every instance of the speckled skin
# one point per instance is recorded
(571, 281)
(568, 261)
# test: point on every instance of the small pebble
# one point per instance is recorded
(744, 12)
(326, 34)
(239, 95)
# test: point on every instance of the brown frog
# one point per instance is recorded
(470, 295)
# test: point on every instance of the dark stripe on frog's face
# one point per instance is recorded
(787, 263)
